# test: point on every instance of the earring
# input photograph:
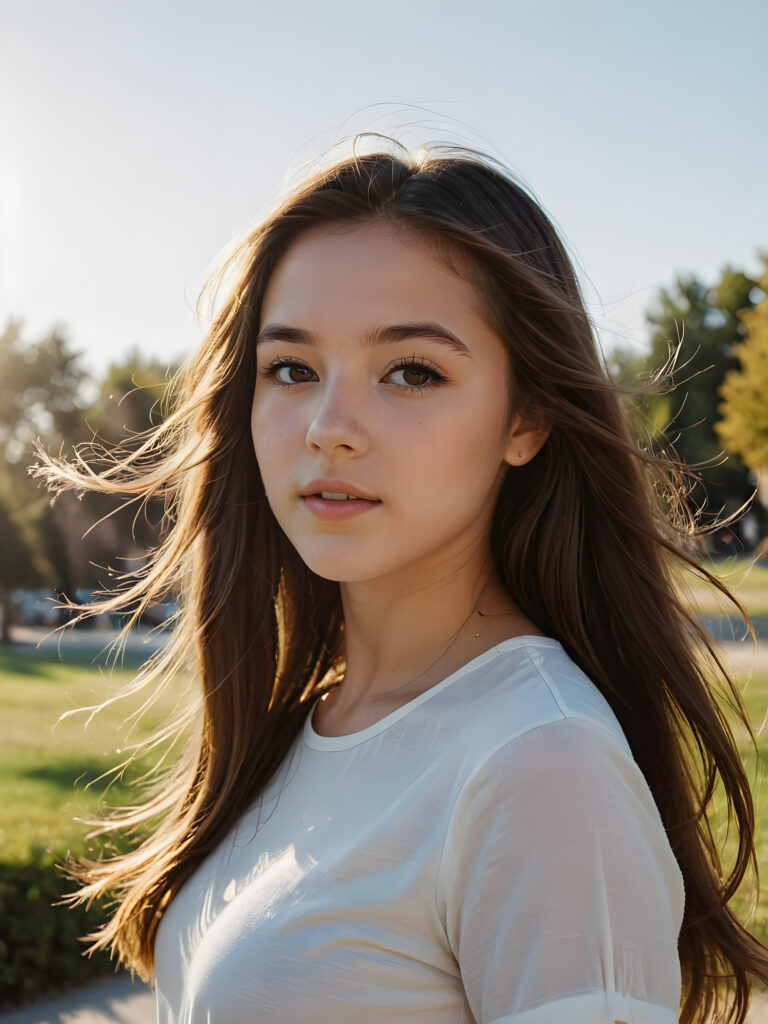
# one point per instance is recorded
(520, 455)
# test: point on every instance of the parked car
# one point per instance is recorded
(158, 613)
(36, 607)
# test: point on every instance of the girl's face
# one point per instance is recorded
(358, 382)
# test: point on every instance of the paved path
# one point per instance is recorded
(743, 657)
(113, 1001)
(143, 641)
(118, 1001)
(95, 640)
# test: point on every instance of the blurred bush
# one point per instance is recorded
(40, 951)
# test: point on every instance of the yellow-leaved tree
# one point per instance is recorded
(743, 427)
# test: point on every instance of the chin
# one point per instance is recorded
(335, 571)
(348, 568)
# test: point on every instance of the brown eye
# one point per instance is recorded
(423, 374)
(417, 368)
(298, 369)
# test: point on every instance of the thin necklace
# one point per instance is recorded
(442, 654)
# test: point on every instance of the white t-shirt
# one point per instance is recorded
(489, 852)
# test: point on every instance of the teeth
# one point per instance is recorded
(335, 495)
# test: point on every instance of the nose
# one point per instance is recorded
(338, 420)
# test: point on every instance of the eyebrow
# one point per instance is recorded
(373, 337)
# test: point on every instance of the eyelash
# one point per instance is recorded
(421, 364)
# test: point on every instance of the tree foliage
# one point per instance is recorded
(744, 424)
(47, 394)
(130, 402)
(18, 566)
(42, 394)
(708, 323)
(130, 398)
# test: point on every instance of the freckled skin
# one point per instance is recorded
(415, 566)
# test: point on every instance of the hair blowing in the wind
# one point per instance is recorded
(482, 724)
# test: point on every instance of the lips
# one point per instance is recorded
(334, 509)
(315, 487)
(337, 496)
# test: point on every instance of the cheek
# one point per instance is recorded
(270, 429)
(451, 465)
(263, 413)
(265, 446)
(257, 430)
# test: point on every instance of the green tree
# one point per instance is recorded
(43, 393)
(130, 398)
(650, 412)
(18, 567)
(46, 393)
(128, 403)
(708, 322)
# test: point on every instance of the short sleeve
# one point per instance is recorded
(560, 895)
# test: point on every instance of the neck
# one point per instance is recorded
(395, 649)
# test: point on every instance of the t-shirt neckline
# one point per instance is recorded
(317, 742)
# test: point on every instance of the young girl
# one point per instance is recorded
(456, 738)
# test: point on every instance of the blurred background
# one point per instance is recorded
(140, 139)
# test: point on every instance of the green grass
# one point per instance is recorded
(755, 697)
(45, 763)
(729, 568)
(48, 766)
(748, 582)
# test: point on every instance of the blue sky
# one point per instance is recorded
(140, 137)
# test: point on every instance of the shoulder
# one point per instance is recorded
(551, 783)
(530, 686)
(539, 731)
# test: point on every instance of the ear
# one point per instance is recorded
(526, 438)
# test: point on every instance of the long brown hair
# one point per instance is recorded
(588, 538)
